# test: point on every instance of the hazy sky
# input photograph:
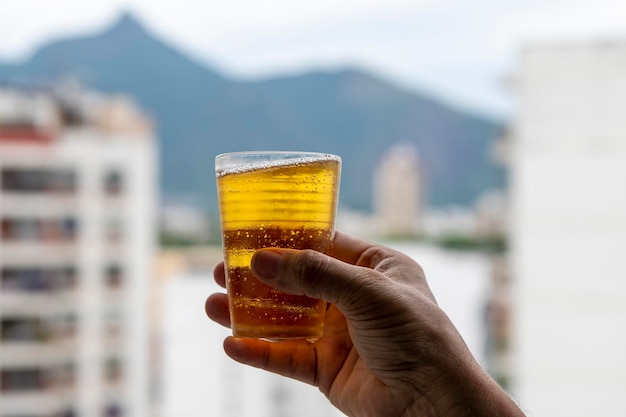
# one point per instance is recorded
(460, 50)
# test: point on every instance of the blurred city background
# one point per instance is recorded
(486, 139)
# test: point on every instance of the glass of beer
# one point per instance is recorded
(274, 200)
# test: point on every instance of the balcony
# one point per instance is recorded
(39, 353)
(24, 239)
(38, 279)
(36, 403)
(25, 134)
(39, 392)
(32, 341)
(38, 303)
(38, 290)
(21, 228)
(26, 252)
(37, 204)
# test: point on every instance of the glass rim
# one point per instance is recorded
(234, 160)
(277, 153)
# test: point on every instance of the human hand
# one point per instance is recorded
(387, 349)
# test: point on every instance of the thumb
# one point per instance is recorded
(316, 275)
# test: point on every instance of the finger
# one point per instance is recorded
(316, 275)
(294, 358)
(348, 249)
(220, 274)
(359, 252)
(390, 262)
(216, 307)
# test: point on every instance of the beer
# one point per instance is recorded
(289, 202)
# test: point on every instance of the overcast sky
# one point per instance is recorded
(459, 50)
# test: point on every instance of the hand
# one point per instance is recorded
(387, 349)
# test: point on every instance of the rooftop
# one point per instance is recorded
(39, 115)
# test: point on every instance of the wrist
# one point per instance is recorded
(460, 387)
(470, 392)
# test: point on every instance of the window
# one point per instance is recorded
(62, 181)
(65, 413)
(113, 410)
(113, 322)
(22, 329)
(23, 279)
(34, 279)
(62, 278)
(113, 276)
(47, 230)
(36, 379)
(113, 369)
(64, 375)
(113, 230)
(69, 226)
(113, 183)
(22, 379)
(20, 229)
(33, 180)
(64, 326)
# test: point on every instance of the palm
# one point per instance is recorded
(332, 364)
(342, 374)
(357, 385)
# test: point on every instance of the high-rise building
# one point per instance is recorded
(398, 191)
(568, 235)
(77, 198)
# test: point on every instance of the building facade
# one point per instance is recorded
(568, 195)
(398, 192)
(77, 198)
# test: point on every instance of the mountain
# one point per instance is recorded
(201, 113)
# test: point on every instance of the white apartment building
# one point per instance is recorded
(568, 172)
(398, 191)
(77, 197)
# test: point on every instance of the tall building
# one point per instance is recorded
(568, 177)
(77, 198)
(398, 191)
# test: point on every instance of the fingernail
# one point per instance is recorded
(266, 263)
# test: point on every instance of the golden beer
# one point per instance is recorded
(269, 199)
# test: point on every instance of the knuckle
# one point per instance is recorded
(372, 256)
